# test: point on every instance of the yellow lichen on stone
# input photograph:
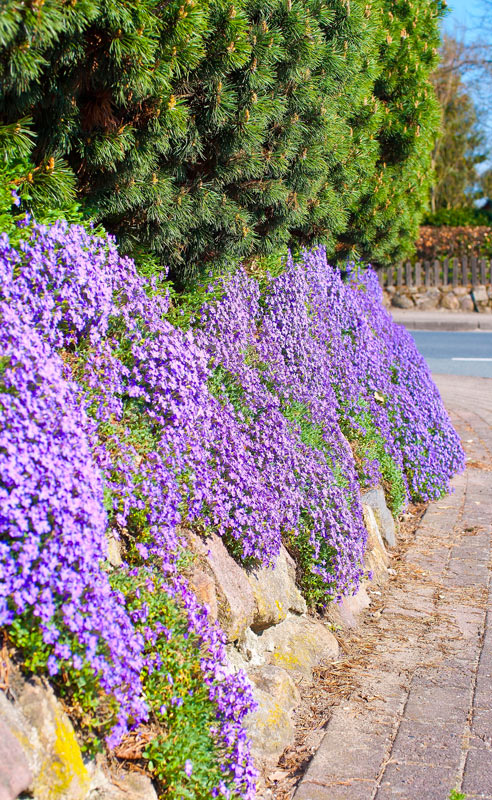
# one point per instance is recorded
(275, 715)
(287, 660)
(63, 774)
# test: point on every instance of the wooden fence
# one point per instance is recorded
(462, 271)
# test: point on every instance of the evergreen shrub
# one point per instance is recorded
(385, 218)
(458, 217)
(207, 131)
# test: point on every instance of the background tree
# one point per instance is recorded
(461, 145)
(384, 221)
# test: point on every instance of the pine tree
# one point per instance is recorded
(201, 131)
(47, 189)
(204, 131)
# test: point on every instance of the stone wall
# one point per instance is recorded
(450, 298)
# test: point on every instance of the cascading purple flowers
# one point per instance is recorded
(113, 419)
(85, 352)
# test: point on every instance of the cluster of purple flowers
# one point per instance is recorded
(315, 348)
(99, 402)
(113, 419)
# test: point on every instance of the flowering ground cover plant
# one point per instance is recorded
(260, 419)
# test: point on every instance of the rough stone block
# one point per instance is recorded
(121, 786)
(63, 773)
(402, 301)
(275, 592)
(480, 295)
(277, 682)
(429, 300)
(114, 551)
(15, 773)
(298, 644)
(450, 302)
(376, 500)
(350, 608)
(203, 586)
(270, 727)
(47, 739)
(235, 599)
(270, 730)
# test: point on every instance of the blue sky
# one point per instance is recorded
(464, 12)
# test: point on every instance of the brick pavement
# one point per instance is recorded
(420, 720)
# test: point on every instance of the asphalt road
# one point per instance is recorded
(456, 352)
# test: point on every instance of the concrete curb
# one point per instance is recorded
(442, 320)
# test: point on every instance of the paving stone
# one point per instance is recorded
(352, 790)
(384, 694)
(448, 672)
(472, 547)
(427, 743)
(433, 564)
(437, 703)
(352, 748)
(478, 771)
(483, 689)
(462, 573)
(482, 724)
(486, 654)
(469, 621)
(479, 797)
(411, 782)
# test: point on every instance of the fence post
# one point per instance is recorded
(437, 272)
(445, 271)
(483, 271)
(464, 270)
(427, 272)
(408, 273)
(418, 274)
(381, 277)
(473, 262)
(455, 272)
(399, 275)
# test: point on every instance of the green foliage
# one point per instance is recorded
(182, 716)
(486, 189)
(368, 447)
(455, 795)
(311, 433)
(458, 217)
(210, 131)
(47, 189)
(307, 555)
